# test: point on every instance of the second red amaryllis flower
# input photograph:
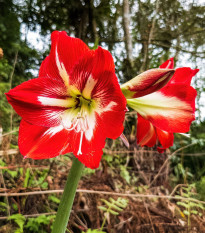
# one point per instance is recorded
(168, 110)
(74, 104)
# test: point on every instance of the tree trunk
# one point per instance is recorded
(126, 25)
(149, 39)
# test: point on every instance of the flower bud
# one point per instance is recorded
(147, 83)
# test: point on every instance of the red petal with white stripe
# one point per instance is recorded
(39, 101)
(65, 53)
(171, 109)
(38, 142)
(146, 134)
(90, 68)
(112, 104)
(97, 81)
(169, 64)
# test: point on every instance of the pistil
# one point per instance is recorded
(80, 145)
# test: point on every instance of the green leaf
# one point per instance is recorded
(186, 212)
(54, 199)
(125, 174)
(183, 204)
(19, 219)
(3, 204)
(113, 212)
(27, 176)
(102, 208)
(194, 212)
(3, 207)
(107, 203)
(94, 231)
(15, 206)
(44, 185)
(122, 202)
(14, 174)
(186, 195)
(2, 163)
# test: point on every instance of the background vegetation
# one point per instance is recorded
(140, 34)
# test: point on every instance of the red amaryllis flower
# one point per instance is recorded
(74, 104)
(166, 111)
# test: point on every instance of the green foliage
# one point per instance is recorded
(117, 162)
(93, 231)
(191, 207)
(27, 176)
(41, 180)
(200, 187)
(88, 171)
(19, 219)
(5, 70)
(114, 206)
(189, 164)
(3, 207)
(16, 51)
(9, 26)
(15, 206)
(34, 225)
(54, 199)
(125, 174)
(13, 174)
(4, 106)
(31, 181)
(180, 172)
(37, 224)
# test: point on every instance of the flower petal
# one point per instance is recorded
(146, 134)
(183, 75)
(103, 62)
(169, 64)
(171, 109)
(165, 138)
(94, 76)
(65, 53)
(147, 82)
(40, 101)
(91, 159)
(89, 69)
(111, 104)
(87, 149)
(38, 142)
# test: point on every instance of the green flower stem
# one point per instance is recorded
(66, 203)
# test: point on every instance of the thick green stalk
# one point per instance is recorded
(66, 203)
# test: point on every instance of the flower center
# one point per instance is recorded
(80, 118)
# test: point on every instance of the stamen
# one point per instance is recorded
(71, 128)
(79, 125)
(85, 123)
(80, 146)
